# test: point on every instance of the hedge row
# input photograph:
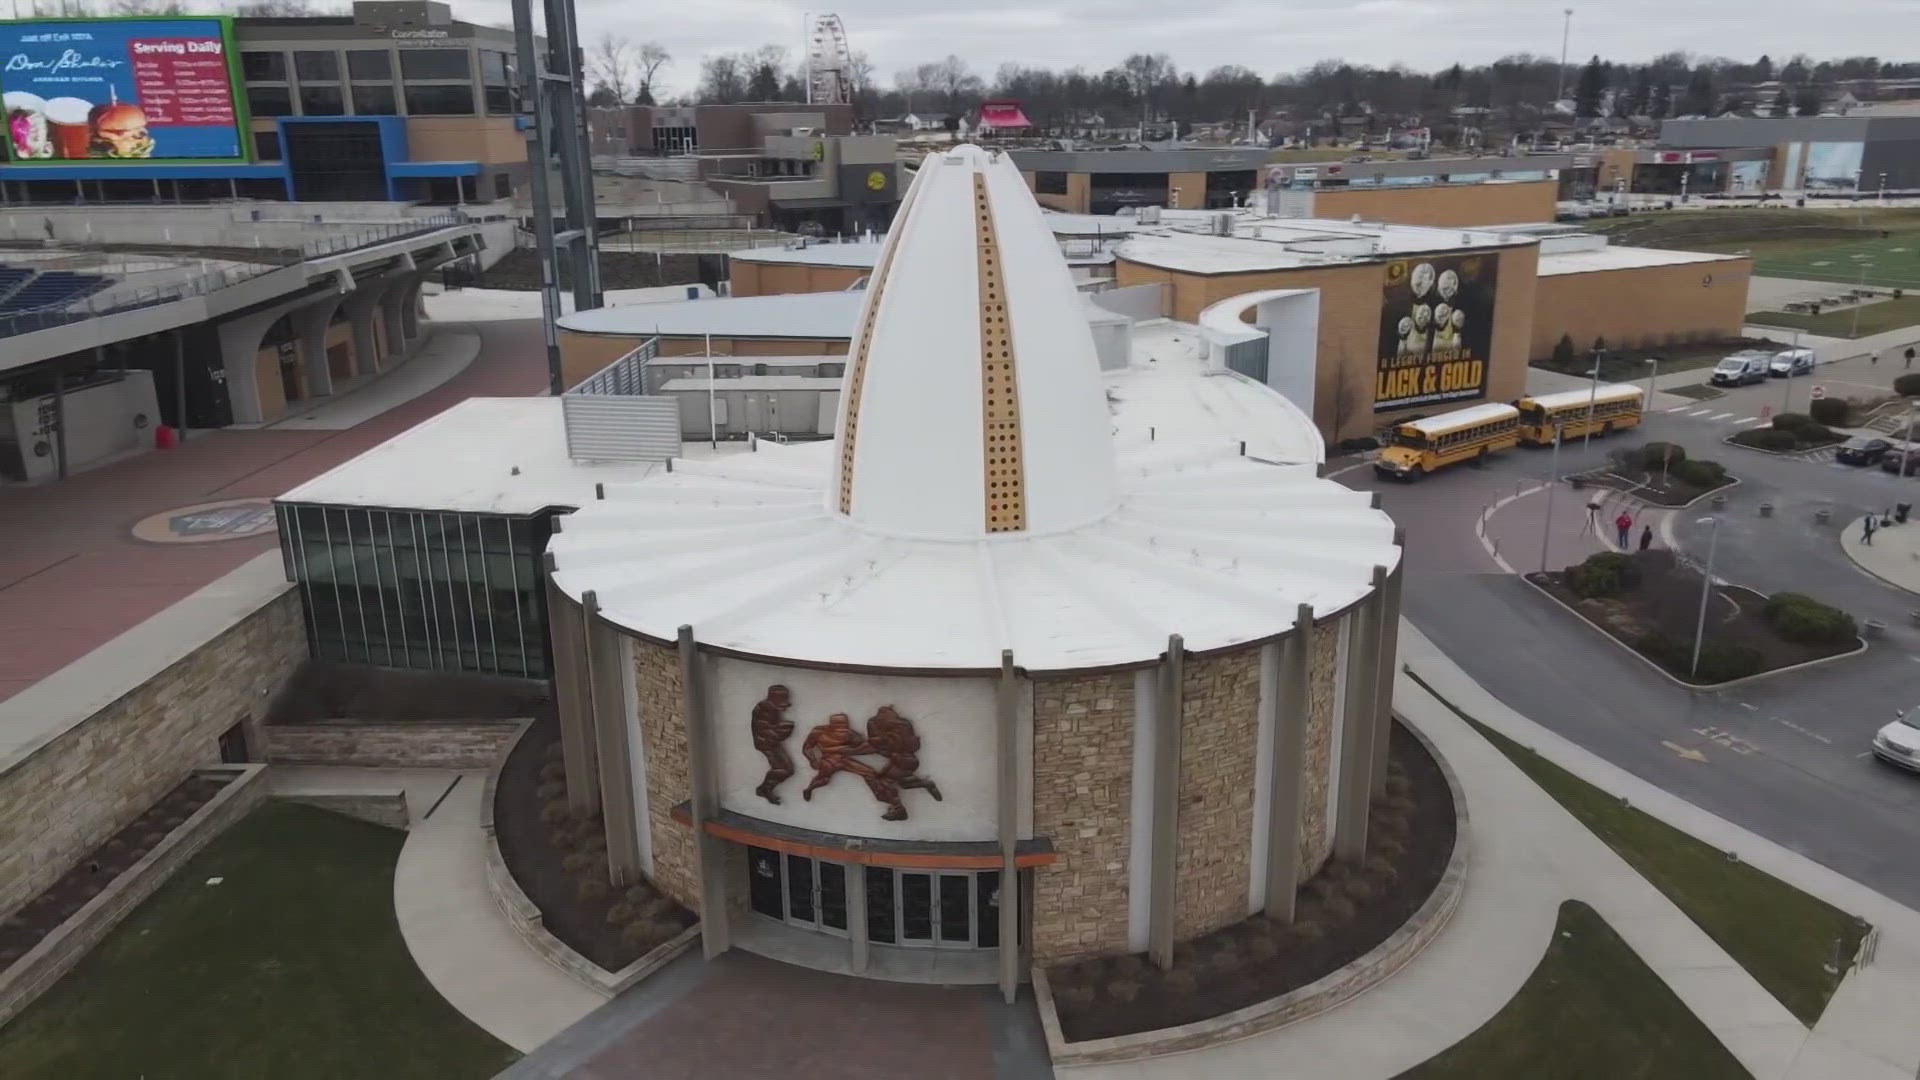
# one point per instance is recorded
(1800, 618)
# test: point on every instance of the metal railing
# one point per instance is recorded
(610, 416)
(120, 299)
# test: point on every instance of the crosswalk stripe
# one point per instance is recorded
(1699, 412)
(1677, 408)
(1748, 420)
(1720, 416)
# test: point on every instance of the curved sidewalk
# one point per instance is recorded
(459, 937)
(1894, 555)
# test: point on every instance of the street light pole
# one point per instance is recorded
(1566, 31)
(1857, 305)
(1706, 588)
(1553, 478)
(1653, 373)
(1786, 393)
(1593, 396)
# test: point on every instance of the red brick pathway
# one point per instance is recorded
(72, 577)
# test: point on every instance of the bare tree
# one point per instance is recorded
(1144, 73)
(279, 9)
(722, 82)
(146, 7)
(653, 56)
(612, 64)
(950, 82)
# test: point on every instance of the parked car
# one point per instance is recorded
(1741, 369)
(1903, 462)
(1790, 362)
(1862, 450)
(1899, 742)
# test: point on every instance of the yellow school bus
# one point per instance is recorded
(1418, 447)
(1615, 407)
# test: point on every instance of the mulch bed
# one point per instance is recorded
(520, 269)
(528, 845)
(92, 874)
(322, 690)
(1648, 487)
(1667, 601)
(1337, 921)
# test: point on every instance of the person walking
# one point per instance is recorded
(1866, 531)
(1623, 526)
(1646, 537)
(1909, 355)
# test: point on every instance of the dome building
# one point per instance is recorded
(1031, 662)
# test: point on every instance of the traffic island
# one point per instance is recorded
(1893, 556)
(1649, 603)
(1353, 926)
(1657, 473)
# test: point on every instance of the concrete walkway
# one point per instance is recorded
(455, 932)
(1894, 555)
(444, 355)
(1528, 854)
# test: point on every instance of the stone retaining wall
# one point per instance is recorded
(56, 954)
(1082, 796)
(388, 809)
(67, 797)
(663, 733)
(416, 744)
(1219, 740)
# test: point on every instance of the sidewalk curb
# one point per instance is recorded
(1676, 680)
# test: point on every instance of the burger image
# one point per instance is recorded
(119, 130)
(26, 127)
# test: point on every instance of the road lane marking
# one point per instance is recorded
(1684, 751)
(1750, 708)
(1814, 735)
(1720, 416)
(1748, 420)
(1677, 408)
(1699, 412)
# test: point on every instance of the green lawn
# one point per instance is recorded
(1591, 1009)
(1873, 319)
(291, 968)
(1782, 936)
(1825, 244)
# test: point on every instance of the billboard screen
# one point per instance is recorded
(1436, 330)
(104, 90)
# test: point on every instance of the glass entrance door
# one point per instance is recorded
(949, 909)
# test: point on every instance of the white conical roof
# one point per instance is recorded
(974, 403)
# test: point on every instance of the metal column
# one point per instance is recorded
(703, 785)
(1293, 708)
(1389, 666)
(60, 422)
(180, 381)
(1166, 806)
(571, 697)
(552, 108)
(1007, 742)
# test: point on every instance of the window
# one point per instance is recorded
(500, 94)
(435, 64)
(269, 101)
(317, 66)
(502, 186)
(373, 64)
(321, 101)
(1050, 183)
(440, 100)
(266, 147)
(264, 66)
(373, 100)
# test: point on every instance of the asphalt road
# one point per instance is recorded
(1785, 757)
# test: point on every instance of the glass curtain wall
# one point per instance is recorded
(420, 589)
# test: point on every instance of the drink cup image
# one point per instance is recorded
(67, 125)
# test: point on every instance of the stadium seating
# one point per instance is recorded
(47, 289)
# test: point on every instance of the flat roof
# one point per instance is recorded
(828, 315)
(754, 382)
(1605, 392)
(1458, 418)
(858, 253)
(1555, 263)
(463, 460)
(1286, 243)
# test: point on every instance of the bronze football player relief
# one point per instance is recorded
(836, 747)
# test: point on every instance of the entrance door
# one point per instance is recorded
(797, 890)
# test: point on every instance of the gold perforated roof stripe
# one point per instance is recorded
(1006, 494)
(876, 287)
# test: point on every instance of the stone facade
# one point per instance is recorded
(420, 744)
(89, 781)
(663, 728)
(1219, 730)
(1316, 833)
(1082, 791)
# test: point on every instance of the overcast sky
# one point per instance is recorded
(1265, 35)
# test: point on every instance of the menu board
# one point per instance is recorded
(106, 90)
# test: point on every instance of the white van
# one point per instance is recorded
(1790, 362)
(1742, 368)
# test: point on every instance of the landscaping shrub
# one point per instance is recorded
(1357, 444)
(1907, 385)
(1563, 351)
(1722, 663)
(1180, 981)
(620, 914)
(1337, 909)
(1800, 618)
(1830, 411)
(1359, 889)
(1123, 990)
(1606, 573)
(1700, 473)
(1077, 996)
(1307, 929)
(1817, 433)
(592, 889)
(1791, 421)
(1774, 439)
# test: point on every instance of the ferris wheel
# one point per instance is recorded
(829, 64)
